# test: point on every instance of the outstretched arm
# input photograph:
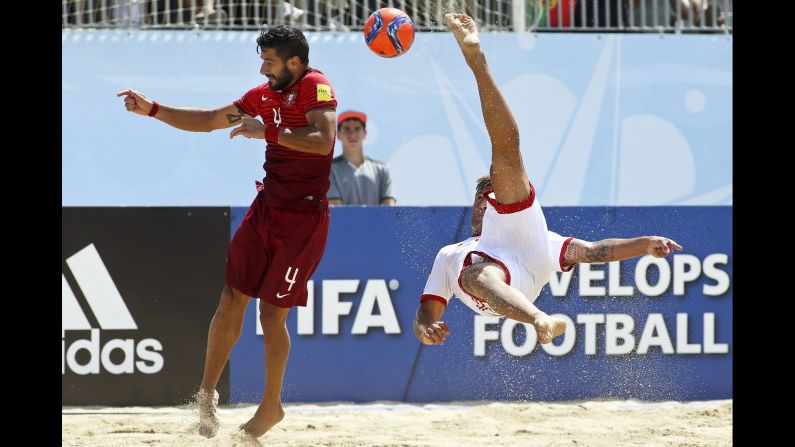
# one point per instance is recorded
(427, 327)
(185, 118)
(608, 250)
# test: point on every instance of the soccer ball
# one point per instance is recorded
(389, 32)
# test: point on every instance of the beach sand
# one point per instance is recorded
(586, 423)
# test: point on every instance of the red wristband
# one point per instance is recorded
(155, 107)
(272, 134)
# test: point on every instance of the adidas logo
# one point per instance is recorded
(111, 313)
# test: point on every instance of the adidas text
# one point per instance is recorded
(142, 356)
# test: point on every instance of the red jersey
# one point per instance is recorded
(293, 179)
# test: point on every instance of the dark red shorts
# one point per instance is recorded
(275, 251)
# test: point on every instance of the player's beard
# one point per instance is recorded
(280, 82)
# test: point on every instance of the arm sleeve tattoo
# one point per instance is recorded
(602, 251)
(232, 118)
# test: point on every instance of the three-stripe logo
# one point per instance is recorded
(111, 313)
(101, 294)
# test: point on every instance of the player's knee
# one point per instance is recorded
(473, 278)
(481, 276)
(233, 303)
(272, 321)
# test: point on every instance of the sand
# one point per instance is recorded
(591, 423)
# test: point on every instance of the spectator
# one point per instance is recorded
(209, 15)
(698, 11)
(356, 179)
(129, 12)
(602, 13)
(647, 13)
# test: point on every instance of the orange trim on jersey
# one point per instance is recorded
(509, 208)
(562, 255)
(428, 296)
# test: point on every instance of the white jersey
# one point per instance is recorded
(515, 237)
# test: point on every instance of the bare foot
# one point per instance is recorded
(243, 439)
(548, 328)
(206, 404)
(466, 33)
(262, 421)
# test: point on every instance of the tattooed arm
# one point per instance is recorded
(185, 118)
(200, 120)
(608, 250)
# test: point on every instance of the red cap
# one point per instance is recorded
(352, 114)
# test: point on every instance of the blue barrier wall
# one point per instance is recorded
(650, 330)
(592, 109)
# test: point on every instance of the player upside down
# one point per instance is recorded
(502, 268)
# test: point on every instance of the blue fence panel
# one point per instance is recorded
(643, 328)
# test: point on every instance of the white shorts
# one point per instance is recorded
(516, 237)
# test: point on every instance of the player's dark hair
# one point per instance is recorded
(288, 41)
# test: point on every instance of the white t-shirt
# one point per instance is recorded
(518, 240)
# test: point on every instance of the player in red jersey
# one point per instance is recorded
(282, 237)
